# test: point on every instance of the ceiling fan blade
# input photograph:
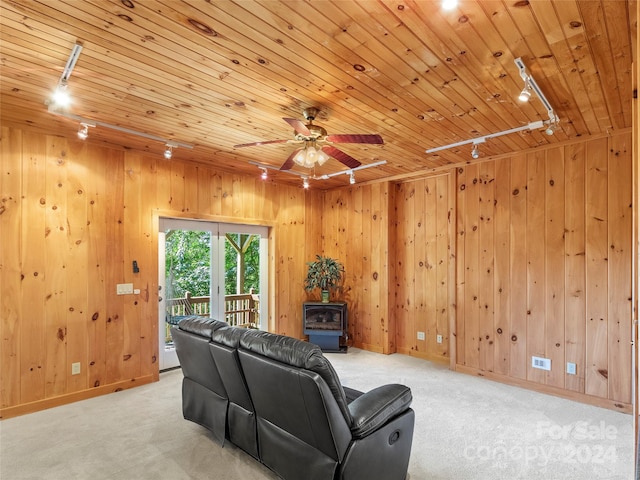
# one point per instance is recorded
(298, 126)
(339, 155)
(355, 138)
(257, 144)
(289, 162)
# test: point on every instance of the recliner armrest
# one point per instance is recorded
(373, 409)
(351, 393)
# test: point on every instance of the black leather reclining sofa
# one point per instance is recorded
(280, 400)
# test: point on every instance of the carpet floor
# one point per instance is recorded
(467, 428)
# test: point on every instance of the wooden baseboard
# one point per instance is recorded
(547, 389)
(424, 355)
(368, 347)
(22, 409)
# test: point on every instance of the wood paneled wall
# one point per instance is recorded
(541, 244)
(424, 242)
(355, 230)
(73, 217)
(544, 268)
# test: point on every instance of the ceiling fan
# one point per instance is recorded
(310, 136)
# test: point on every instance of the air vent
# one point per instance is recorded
(541, 363)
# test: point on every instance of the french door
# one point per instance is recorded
(210, 269)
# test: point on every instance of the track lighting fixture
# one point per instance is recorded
(530, 126)
(168, 151)
(264, 175)
(530, 85)
(71, 63)
(128, 131)
(475, 151)
(83, 131)
(551, 129)
(61, 97)
(525, 94)
(305, 177)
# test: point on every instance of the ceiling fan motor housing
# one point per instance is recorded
(310, 113)
(317, 132)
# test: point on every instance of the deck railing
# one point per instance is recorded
(241, 310)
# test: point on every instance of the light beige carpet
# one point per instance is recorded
(467, 428)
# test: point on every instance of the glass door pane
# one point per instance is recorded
(186, 281)
(211, 270)
(245, 274)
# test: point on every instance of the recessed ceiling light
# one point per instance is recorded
(449, 4)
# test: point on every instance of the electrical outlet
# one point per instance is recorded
(571, 368)
(541, 363)
(438, 338)
(75, 368)
(420, 335)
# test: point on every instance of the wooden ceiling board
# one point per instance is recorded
(218, 74)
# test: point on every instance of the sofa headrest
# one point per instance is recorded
(297, 353)
(230, 336)
(201, 326)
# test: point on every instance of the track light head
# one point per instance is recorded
(352, 178)
(83, 132)
(475, 151)
(551, 129)
(168, 151)
(525, 94)
(61, 97)
(264, 175)
(305, 182)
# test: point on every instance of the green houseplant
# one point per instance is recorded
(324, 273)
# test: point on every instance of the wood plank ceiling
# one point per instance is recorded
(214, 74)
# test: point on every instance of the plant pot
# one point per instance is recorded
(325, 296)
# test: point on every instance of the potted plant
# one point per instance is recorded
(324, 273)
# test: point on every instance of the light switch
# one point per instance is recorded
(124, 288)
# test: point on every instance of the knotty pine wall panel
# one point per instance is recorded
(422, 240)
(355, 230)
(11, 207)
(501, 268)
(544, 269)
(73, 218)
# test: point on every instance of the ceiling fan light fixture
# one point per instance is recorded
(310, 157)
(322, 157)
(300, 157)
